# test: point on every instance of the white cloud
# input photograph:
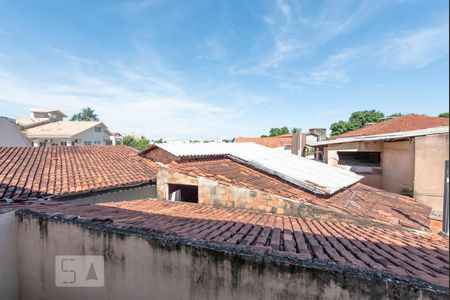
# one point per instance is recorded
(333, 69)
(126, 103)
(416, 49)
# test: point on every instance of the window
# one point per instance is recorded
(98, 129)
(63, 143)
(183, 193)
(87, 143)
(108, 142)
(372, 159)
(42, 144)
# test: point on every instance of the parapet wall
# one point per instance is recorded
(141, 265)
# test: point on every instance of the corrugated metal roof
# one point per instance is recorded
(385, 137)
(309, 174)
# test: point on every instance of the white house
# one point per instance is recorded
(40, 116)
(69, 133)
(10, 134)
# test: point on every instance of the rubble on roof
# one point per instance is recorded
(358, 200)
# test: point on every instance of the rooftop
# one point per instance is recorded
(271, 142)
(37, 172)
(46, 110)
(358, 200)
(61, 129)
(311, 175)
(396, 136)
(371, 250)
(399, 124)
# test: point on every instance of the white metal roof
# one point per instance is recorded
(309, 174)
(385, 137)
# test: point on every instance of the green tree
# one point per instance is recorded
(444, 115)
(160, 141)
(138, 143)
(395, 115)
(86, 114)
(278, 131)
(358, 119)
(341, 127)
(296, 130)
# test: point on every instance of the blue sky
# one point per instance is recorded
(188, 69)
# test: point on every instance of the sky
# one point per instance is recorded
(208, 69)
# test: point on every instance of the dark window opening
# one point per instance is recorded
(183, 193)
(360, 158)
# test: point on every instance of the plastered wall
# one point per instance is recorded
(142, 267)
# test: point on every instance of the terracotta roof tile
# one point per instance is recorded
(271, 142)
(34, 172)
(399, 124)
(358, 200)
(370, 249)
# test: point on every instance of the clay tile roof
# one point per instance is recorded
(398, 124)
(271, 142)
(358, 200)
(370, 250)
(36, 172)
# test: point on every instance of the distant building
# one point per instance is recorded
(40, 116)
(116, 138)
(68, 133)
(281, 142)
(46, 127)
(404, 155)
(10, 134)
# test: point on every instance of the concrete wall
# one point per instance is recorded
(139, 266)
(397, 163)
(330, 152)
(8, 257)
(398, 166)
(332, 158)
(431, 153)
(10, 134)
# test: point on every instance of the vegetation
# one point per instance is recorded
(357, 120)
(138, 143)
(281, 131)
(444, 115)
(86, 114)
(160, 141)
(395, 115)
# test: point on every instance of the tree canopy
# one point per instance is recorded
(444, 115)
(358, 119)
(138, 143)
(86, 114)
(277, 131)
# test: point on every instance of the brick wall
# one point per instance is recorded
(217, 194)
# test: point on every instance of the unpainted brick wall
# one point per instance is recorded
(217, 194)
